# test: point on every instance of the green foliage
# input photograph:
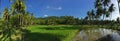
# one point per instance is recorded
(14, 22)
(53, 20)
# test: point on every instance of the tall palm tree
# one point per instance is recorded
(18, 9)
(92, 14)
(99, 8)
(105, 5)
(111, 9)
(89, 16)
(102, 8)
(6, 29)
(118, 5)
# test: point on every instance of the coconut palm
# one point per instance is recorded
(105, 4)
(89, 16)
(16, 17)
(92, 14)
(103, 8)
(6, 29)
(118, 5)
(111, 8)
(18, 7)
(99, 8)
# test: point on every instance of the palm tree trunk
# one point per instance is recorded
(103, 20)
(111, 22)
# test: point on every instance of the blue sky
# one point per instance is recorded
(42, 8)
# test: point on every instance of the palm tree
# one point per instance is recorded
(105, 5)
(89, 16)
(6, 29)
(111, 9)
(18, 10)
(99, 8)
(118, 5)
(92, 14)
(19, 7)
(118, 22)
(14, 17)
(102, 8)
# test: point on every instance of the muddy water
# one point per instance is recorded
(97, 35)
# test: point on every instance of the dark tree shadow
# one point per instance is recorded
(42, 37)
(105, 38)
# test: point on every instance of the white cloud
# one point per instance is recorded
(58, 8)
(54, 8)
(115, 14)
(45, 15)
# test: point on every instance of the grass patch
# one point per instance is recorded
(51, 33)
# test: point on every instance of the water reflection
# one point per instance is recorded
(98, 35)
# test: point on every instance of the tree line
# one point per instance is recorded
(70, 20)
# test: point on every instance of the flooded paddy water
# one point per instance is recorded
(98, 35)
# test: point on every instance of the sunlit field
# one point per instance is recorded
(51, 33)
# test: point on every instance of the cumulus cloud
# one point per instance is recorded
(115, 14)
(58, 8)
(45, 15)
(54, 8)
